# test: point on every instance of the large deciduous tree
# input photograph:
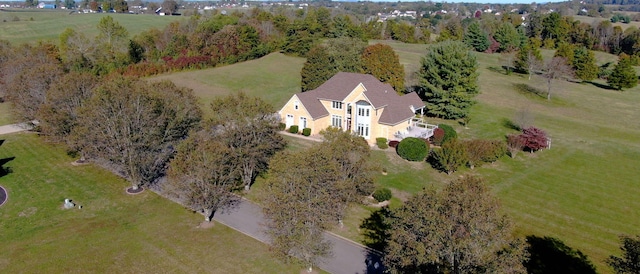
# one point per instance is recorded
(249, 127)
(133, 127)
(448, 79)
(202, 176)
(383, 63)
(554, 69)
(457, 230)
(298, 206)
(59, 115)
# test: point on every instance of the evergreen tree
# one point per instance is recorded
(476, 38)
(623, 75)
(528, 59)
(448, 79)
(382, 62)
(584, 64)
(507, 36)
(317, 69)
(566, 51)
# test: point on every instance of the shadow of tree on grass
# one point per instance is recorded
(376, 230)
(530, 90)
(550, 255)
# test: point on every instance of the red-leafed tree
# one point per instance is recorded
(534, 138)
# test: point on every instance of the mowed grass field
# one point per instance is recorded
(582, 191)
(114, 232)
(28, 25)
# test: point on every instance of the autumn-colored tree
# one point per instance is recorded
(534, 138)
(457, 230)
(383, 63)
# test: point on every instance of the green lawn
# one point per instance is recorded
(5, 114)
(274, 78)
(30, 25)
(583, 190)
(114, 232)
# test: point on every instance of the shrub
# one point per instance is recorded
(515, 144)
(534, 138)
(282, 126)
(293, 129)
(449, 133)
(413, 149)
(393, 144)
(382, 194)
(306, 131)
(438, 136)
(382, 143)
(480, 151)
(448, 158)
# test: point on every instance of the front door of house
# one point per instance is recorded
(289, 120)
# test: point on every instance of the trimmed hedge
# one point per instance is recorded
(282, 126)
(306, 131)
(382, 143)
(393, 144)
(382, 194)
(293, 129)
(413, 149)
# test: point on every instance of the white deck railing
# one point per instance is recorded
(417, 129)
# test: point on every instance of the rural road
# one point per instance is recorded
(7, 129)
(347, 257)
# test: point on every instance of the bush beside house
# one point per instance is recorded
(413, 149)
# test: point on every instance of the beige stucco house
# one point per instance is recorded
(358, 103)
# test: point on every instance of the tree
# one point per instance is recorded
(528, 59)
(566, 51)
(351, 153)
(515, 144)
(66, 95)
(629, 262)
(456, 230)
(534, 138)
(450, 157)
(508, 37)
(27, 77)
(584, 64)
(448, 79)
(111, 32)
(554, 69)
(169, 7)
(317, 69)
(383, 63)
(623, 75)
(476, 38)
(203, 174)
(298, 204)
(133, 127)
(249, 127)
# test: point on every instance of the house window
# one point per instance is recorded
(296, 105)
(337, 105)
(363, 112)
(363, 130)
(336, 121)
(303, 122)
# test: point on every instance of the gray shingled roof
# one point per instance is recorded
(338, 87)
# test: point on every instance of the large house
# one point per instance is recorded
(359, 103)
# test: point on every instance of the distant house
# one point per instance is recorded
(359, 103)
